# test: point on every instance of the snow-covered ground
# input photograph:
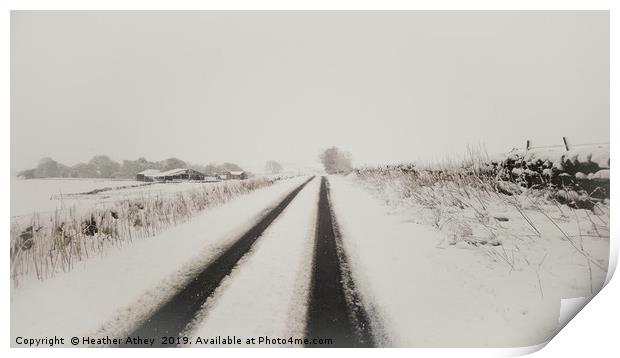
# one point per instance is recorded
(423, 289)
(453, 280)
(48, 242)
(108, 294)
(44, 195)
(266, 295)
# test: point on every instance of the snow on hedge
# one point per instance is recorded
(560, 157)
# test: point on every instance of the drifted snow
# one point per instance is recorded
(266, 295)
(109, 294)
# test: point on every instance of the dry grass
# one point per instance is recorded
(44, 247)
(465, 200)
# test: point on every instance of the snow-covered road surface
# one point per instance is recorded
(335, 309)
(266, 294)
(171, 318)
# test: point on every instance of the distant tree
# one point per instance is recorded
(173, 163)
(83, 170)
(229, 167)
(46, 168)
(196, 167)
(27, 174)
(65, 171)
(130, 168)
(211, 169)
(104, 167)
(336, 161)
(273, 167)
(144, 164)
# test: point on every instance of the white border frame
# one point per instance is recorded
(593, 332)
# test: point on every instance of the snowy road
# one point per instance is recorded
(174, 316)
(252, 279)
(335, 310)
(266, 295)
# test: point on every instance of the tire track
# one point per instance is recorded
(335, 310)
(173, 316)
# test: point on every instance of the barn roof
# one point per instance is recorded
(236, 172)
(175, 171)
(149, 172)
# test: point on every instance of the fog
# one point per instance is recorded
(249, 87)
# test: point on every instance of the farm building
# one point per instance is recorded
(237, 175)
(170, 175)
(147, 175)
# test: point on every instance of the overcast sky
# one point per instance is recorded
(248, 87)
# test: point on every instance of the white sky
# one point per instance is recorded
(247, 87)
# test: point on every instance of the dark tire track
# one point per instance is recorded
(335, 310)
(173, 316)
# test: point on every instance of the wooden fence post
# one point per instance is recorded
(565, 143)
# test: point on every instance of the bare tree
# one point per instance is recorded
(336, 161)
(273, 167)
(173, 163)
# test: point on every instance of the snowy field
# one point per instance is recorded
(44, 196)
(55, 231)
(109, 294)
(30, 196)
